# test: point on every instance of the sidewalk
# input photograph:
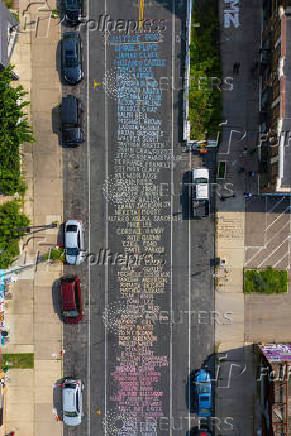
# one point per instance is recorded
(240, 107)
(34, 327)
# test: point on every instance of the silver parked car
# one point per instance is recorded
(72, 401)
(74, 242)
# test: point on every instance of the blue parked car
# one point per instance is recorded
(202, 394)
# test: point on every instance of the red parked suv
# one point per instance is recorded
(71, 300)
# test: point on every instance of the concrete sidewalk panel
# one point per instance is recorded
(52, 366)
(232, 332)
(48, 61)
(46, 330)
(19, 395)
(43, 208)
(48, 349)
(43, 278)
(24, 428)
(48, 187)
(22, 300)
(42, 295)
(18, 348)
(46, 99)
(43, 165)
(20, 411)
(47, 429)
(21, 377)
(21, 327)
(50, 371)
(48, 144)
(44, 413)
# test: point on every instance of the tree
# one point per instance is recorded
(14, 131)
(10, 218)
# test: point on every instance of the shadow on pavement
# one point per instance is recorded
(57, 299)
(185, 197)
(57, 398)
(56, 121)
(189, 393)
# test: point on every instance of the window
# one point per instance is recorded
(71, 414)
(201, 180)
(204, 399)
(204, 388)
(71, 228)
(72, 251)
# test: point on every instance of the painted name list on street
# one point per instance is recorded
(139, 219)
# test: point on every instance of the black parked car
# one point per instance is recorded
(72, 132)
(72, 57)
(73, 12)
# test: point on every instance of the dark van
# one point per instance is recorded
(72, 133)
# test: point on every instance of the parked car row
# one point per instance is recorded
(72, 313)
(72, 134)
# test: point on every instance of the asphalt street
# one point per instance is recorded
(148, 282)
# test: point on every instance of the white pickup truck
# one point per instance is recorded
(200, 191)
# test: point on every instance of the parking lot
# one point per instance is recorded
(267, 317)
(267, 233)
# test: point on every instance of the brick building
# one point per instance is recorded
(274, 105)
(275, 389)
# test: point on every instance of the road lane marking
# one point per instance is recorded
(276, 204)
(278, 217)
(140, 13)
(172, 184)
(281, 259)
(274, 251)
(263, 247)
(189, 294)
(138, 224)
(106, 230)
(89, 233)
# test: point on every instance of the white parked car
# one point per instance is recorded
(72, 401)
(74, 242)
(200, 179)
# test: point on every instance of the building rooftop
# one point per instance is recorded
(7, 21)
(284, 70)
